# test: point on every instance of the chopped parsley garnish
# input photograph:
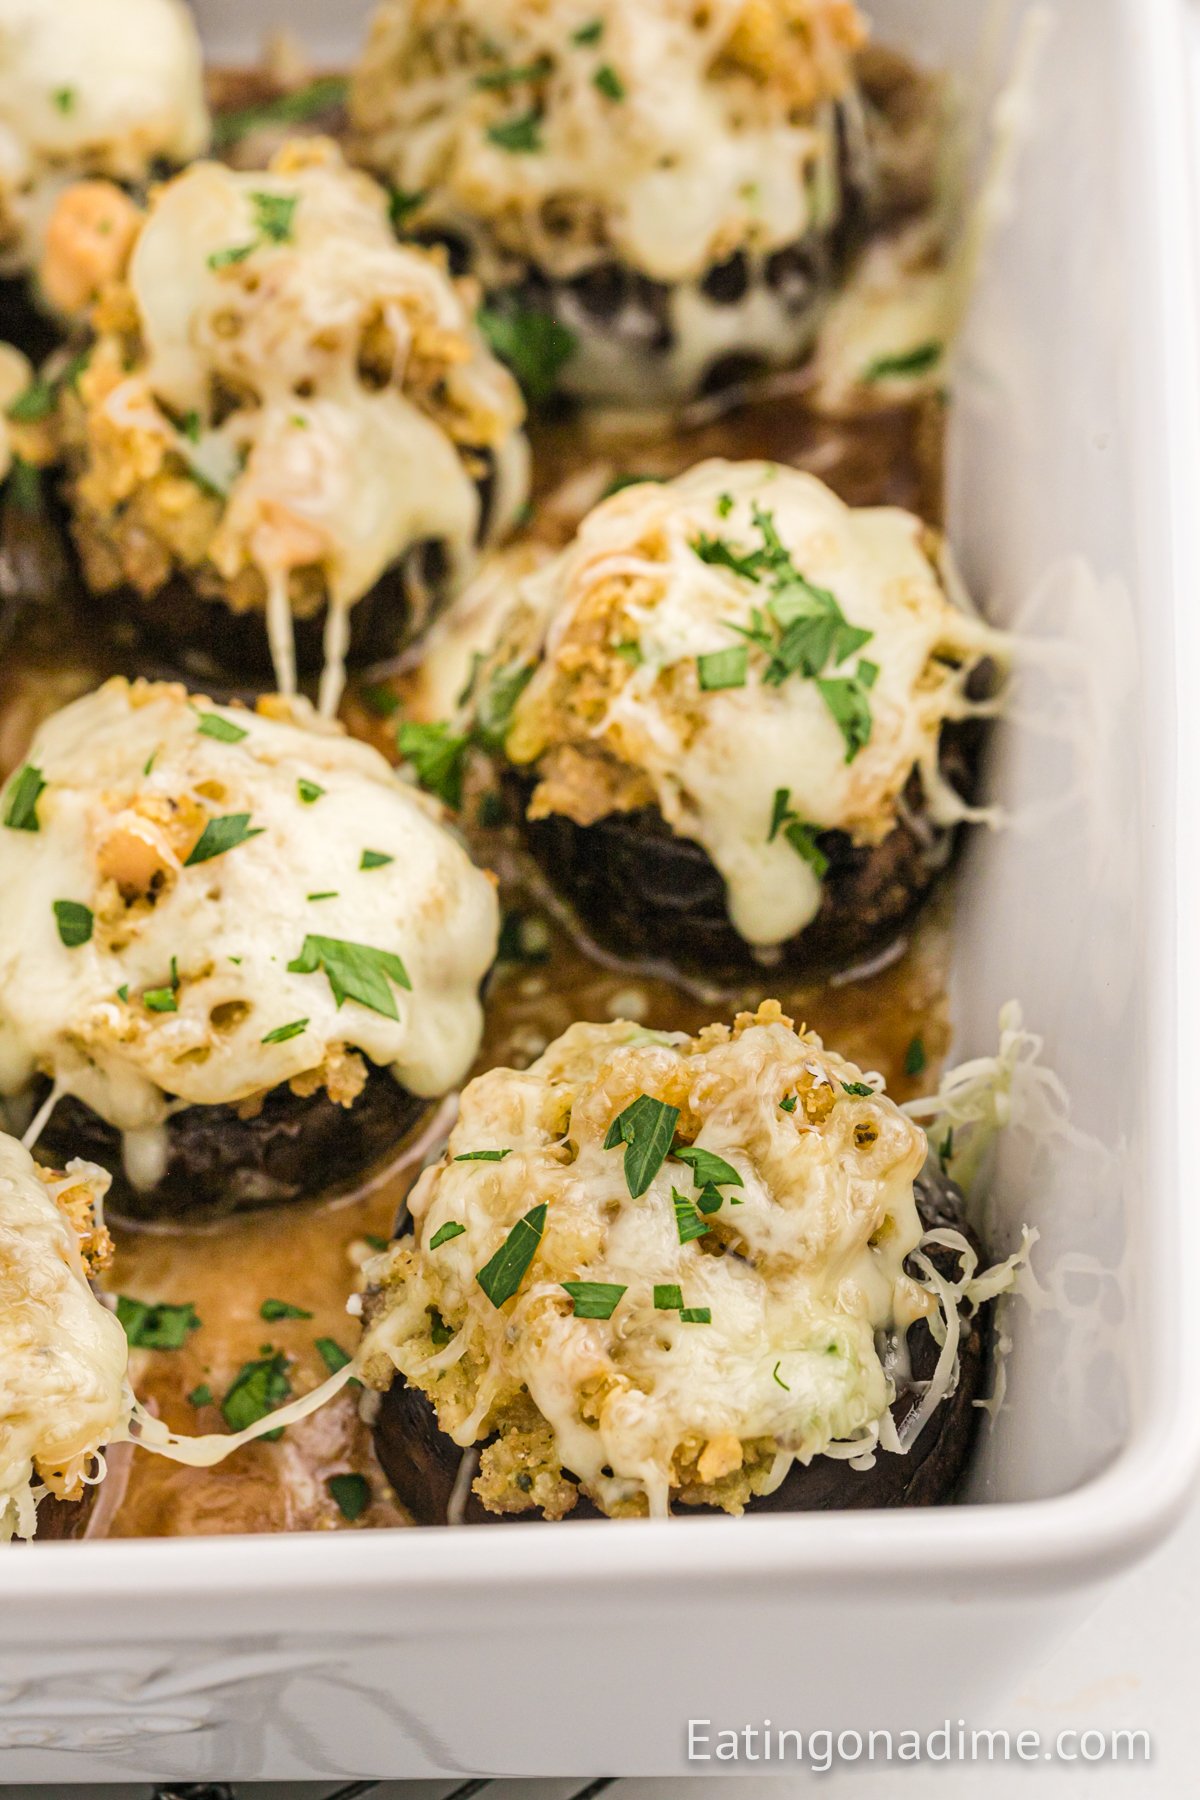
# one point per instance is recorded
(709, 1169)
(162, 1000)
(221, 835)
(775, 1376)
(535, 346)
(609, 82)
(859, 1090)
(37, 402)
(283, 1034)
(725, 505)
(275, 215)
(309, 791)
(257, 1389)
(201, 1396)
(594, 1299)
(380, 700)
(696, 1315)
(214, 726)
(123, 991)
(631, 652)
(709, 1200)
(668, 1297)
(440, 1333)
(149, 763)
(190, 426)
(355, 971)
(802, 837)
(331, 1354)
(590, 33)
(150, 1327)
(788, 1104)
(918, 361)
(802, 630)
(483, 1156)
(723, 668)
(270, 1310)
(293, 108)
(915, 1058)
(687, 1220)
(402, 205)
(647, 1129)
(513, 77)
(495, 706)
(21, 812)
(375, 859)
(438, 756)
(376, 1243)
(234, 253)
(521, 135)
(503, 1274)
(327, 894)
(351, 1495)
(75, 923)
(446, 1234)
(64, 99)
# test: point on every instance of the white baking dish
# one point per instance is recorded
(586, 1649)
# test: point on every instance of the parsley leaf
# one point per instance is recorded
(609, 82)
(696, 1315)
(20, 814)
(214, 726)
(309, 791)
(915, 1058)
(918, 361)
(235, 253)
(708, 1168)
(292, 108)
(521, 135)
(859, 1090)
(483, 1156)
(687, 1220)
(201, 1396)
(847, 701)
(446, 1234)
(257, 1389)
(503, 1274)
(355, 971)
(221, 835)
(590, 33)
(594, 1299)
(275, 214)
(495, 706)
(788, 1103)
(668, 1297)
(351, 1494)
(331, 1354)
(723, 669)
(75, 923)
(283, 1034)
(438, 756)
(270, 1310)
(802, 837)
(647, 1129)
(375, 859)
(150, 1327)
(534, 345)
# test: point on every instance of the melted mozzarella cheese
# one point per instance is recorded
(332, 386)
(821, 1225)
(131, 783)
(91, 87)
(63, 1355)
(604, 734)
(669, 133)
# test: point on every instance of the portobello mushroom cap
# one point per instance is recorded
(747, 720)
(658, 1393)
(64, 1354)
(105, 93)
(423, 1464)
(238, 955)
(659, 203)
(289, 441)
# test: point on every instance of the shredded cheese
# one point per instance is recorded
(181, 989)
(617, 715)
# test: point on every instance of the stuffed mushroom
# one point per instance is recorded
(656, 1272)
(63, 1356)
(741, 725)
(237, 956)
(659, 197)
(103, 93)
(289, 439)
